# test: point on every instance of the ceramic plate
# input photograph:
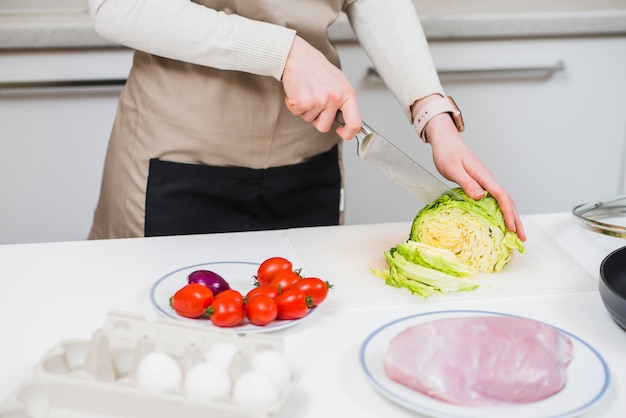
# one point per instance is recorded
(238, 274)
(587, 378)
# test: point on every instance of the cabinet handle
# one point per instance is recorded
(531, 71)
(62, 83)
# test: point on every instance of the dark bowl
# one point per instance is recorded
(612, 285)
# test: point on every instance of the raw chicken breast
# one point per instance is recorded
(481, 360)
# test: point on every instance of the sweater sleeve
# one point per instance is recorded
(392, 35)
(190, 32)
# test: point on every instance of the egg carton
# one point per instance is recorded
(96, 378)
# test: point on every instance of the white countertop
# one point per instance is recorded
(442, 20)
(56, 291)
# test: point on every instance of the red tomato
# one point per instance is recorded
(261, 310)
(284, 279)
(230, 293)
(226, 312)
(316, 288)
(192, 300)
(270, 267)
(292, 304)
(267, 290)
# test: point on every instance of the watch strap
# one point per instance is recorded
(432, 109)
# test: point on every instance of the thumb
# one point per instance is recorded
(472, 188)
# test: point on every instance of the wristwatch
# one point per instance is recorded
(434, 108)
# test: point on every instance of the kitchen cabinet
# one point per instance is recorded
(56, 113)
(545, 115)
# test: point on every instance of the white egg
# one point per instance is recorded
(254, 389)
(157, 372)
(222, 354)
(207, 381)
(273, 364)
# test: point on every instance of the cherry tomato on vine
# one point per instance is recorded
(268, 268)
(314, 287)
(266, 290)
(226, 312)
(293, 304)
(283, 280)
(232, 294)
(261, 310)
(192, 300)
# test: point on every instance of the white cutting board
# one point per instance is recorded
(344, 254)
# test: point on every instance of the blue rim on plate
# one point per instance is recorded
(239, 274)
(557, 406)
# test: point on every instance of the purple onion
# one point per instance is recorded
(210, 279)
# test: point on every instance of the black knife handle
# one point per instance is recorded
(339, 118)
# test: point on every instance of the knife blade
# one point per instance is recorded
(397, 166)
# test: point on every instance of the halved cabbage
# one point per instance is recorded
(449, 241)
(473, 230)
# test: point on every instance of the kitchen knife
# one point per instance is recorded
(397, 166)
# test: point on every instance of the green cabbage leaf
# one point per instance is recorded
(440, 259)
(419, 279)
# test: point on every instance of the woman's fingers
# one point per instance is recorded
(315, 89)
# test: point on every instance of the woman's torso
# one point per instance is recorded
(193, 114)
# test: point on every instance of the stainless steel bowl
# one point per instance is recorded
(605, 217)
(612, 285)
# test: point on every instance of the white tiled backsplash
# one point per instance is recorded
(424, 7)
(464, 7)
(43, 6)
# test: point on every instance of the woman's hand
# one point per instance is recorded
(315, 89)
(456, 162)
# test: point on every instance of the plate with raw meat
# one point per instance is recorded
(427, 365)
